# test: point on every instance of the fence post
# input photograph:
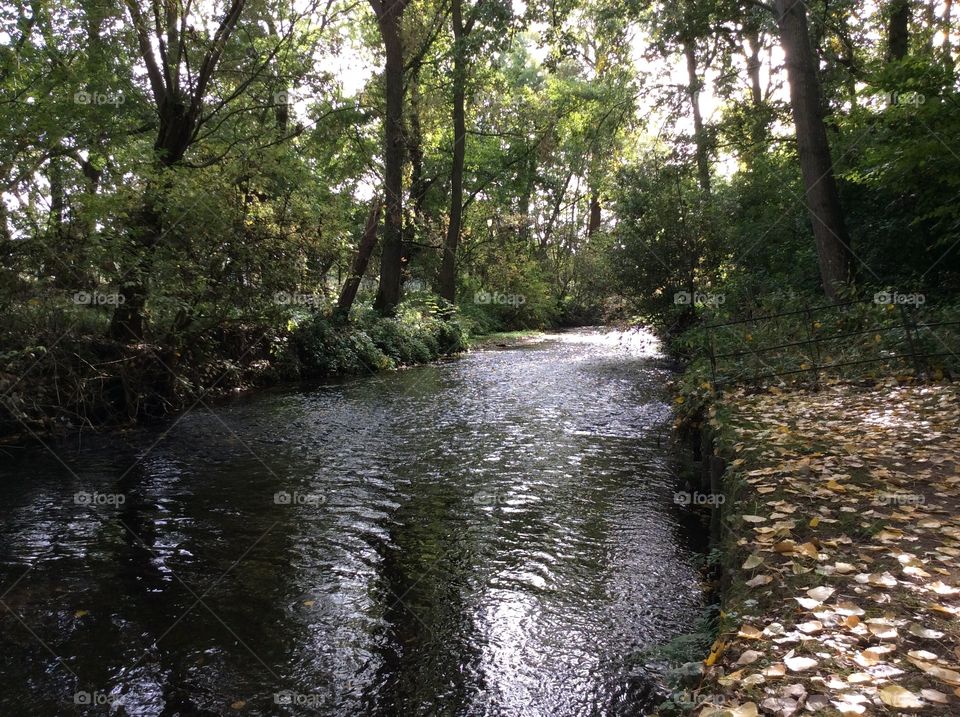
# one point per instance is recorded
(908, 327)
(812, 334)
(758, 363)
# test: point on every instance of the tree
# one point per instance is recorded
(898, 29)
(464, 50)
(699, 134)
(683, 27)
(822, 197)
(447, 283)
(359, 267)
(178, 104)
(389, 21)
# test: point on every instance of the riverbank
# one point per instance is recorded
(77, 380)
(840, 543)
(82, 380)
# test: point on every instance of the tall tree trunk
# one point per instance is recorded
(822, 197)
(57, 197)
(129, 318)
(367, 242)
(898, 29)
(699, 137)
(92, 167)
(753, 67)
(593, 221)
(419, 184)
(389, 13)
(529, 182)
(947, 46)
(281, 98)
(758, 121)
(930, 20)
(5, 233)
(447, 284)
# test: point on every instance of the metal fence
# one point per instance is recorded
(912, 340)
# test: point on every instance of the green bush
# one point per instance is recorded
(450, 336)
(326, 349)
(398, 341)
(375, 343)
(479, 320)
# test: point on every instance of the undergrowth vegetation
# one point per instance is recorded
(68, 375)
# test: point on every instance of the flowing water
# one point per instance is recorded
(488, 536)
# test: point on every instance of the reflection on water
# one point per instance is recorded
(490, 536)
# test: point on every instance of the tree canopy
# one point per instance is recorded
(170, 168)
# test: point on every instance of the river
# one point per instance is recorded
(493, 535)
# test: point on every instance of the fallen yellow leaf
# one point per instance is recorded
(897, 696)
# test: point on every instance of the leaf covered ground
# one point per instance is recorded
(842, 528)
